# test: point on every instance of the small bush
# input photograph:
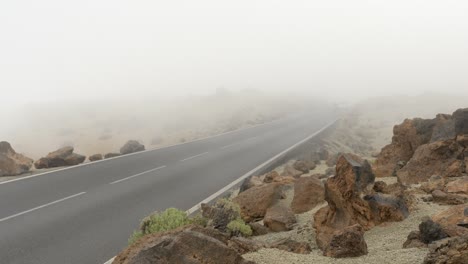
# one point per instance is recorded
(239, 227)
(170, 219)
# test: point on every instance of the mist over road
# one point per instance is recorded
(86, 214)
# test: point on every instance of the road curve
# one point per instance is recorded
(85, 214)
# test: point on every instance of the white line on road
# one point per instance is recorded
(230, 145)
(139, 174)
(250, 173)
(196, 156)
(42, 206)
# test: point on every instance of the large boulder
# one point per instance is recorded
(61, 157)
(459, 186)
(461, 121)
(343, 194)
(279, 218)
(440, 157)
(255, 201)
(131, 146)
(453, 220)
(387, 208)
(308, 193)
(348, 242)
(190, 245)
(12, 163)
(448, 251)
(442, 197)
(407, 137)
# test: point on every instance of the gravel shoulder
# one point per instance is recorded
(385, 242)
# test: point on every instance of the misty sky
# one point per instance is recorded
(54, 49)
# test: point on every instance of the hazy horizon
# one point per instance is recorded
(54, 50)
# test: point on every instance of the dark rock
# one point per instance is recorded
(414, 240)
(111, 155)
(95, 157)
(348, 242)
(448, 251)
(59, 158)
(430, 231)
(461, 121)
(131, 146)
(386, 208)
(220, 214)
(258, 229)
(379, 186)
(189, 245)
(301, 166)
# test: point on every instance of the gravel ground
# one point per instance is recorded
(384, 242)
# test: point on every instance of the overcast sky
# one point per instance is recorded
(54, 49)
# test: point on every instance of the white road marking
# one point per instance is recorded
(196, 156)
(42, 206)
(250, 173)
(139, 174)
(230, 145)
(140, 152)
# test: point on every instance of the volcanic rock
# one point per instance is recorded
(308, 193)
(95, 157)
(255, 201)
(12, 163)
(131, 146)
(348, 242)
(190, 245)
(440, 157)
(60, 157)
(279, 218)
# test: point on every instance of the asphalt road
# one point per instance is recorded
(86, 214)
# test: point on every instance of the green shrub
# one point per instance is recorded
(170, 219)
(239, 227)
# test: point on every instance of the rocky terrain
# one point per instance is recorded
(407, 206)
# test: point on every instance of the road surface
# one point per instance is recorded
(85, 214)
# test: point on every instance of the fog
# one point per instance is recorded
(121, 59)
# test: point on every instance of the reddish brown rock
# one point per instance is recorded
(386, 208)
(60, 157)
(308, 193)
(292, 246)
(279, 218)
(12, 163)
(435, 182)
(255, 201)
(343, 194)
(448, 198)
(250, 182)
(348, 242)
(407, 137)
(414, 240)
(448, 251)
(379, 186)
(440, 158)
(453, 219)
(191, 245)
(111, 155)
(459, 186)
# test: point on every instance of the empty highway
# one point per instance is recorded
(85, 214)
